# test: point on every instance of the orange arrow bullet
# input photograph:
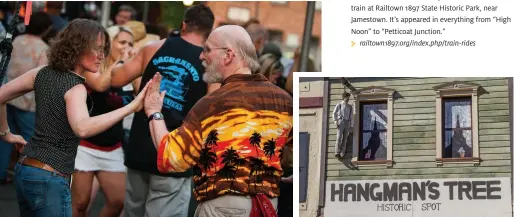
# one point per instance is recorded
(353, 43)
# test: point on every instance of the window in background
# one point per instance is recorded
(318, 5)
(238, 14)
(373, 127)
(279, 2)
(275, 36)
(457, 123)
(373, 131)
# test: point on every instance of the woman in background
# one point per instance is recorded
(99, 161)
(296, 66)
(271, 67)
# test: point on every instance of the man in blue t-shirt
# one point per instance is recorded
(149, 192)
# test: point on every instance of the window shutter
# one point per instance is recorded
(304, 165)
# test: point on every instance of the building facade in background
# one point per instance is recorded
(310, 139)
(284, 21)
(419, 147)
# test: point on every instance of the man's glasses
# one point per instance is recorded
(207, 49)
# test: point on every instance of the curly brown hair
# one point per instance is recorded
(78, 38)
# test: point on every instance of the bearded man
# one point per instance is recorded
(233, 137)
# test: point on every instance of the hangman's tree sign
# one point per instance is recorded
(480, 197)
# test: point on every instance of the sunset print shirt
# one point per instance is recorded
(233, 138)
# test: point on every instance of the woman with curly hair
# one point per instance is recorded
(62, 117)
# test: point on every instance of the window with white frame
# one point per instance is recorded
(457, 135)
(372, 133)
(275, 36)
(457, 123)
(238, 14)
(293, 40)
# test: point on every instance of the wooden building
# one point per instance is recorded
(412, 138)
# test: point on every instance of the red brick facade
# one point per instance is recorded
(289, 18)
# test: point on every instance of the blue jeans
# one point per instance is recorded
(41, 193)
(21, 123)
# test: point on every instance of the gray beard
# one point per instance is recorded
(212, 75)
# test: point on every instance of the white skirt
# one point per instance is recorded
(89, 160)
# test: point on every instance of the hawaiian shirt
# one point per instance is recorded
(233, 138)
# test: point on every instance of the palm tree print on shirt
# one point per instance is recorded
(199, 178)
(231, 161)
(208, 157)
(212, 139)
(222, 144)
(257, 169)
(255, 141)
(229, 170)
(238, 163)
(269, 148)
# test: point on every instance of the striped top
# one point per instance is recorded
(54, 142)
(233, 138)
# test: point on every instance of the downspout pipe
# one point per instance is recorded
(307, 35)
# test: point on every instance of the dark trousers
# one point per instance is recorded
(285, 200)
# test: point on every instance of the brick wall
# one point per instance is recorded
(288, 18)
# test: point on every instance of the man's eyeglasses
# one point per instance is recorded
(207, 49)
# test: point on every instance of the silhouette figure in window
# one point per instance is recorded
(374, 142)
(458, 147)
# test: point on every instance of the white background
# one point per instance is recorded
(493, 54)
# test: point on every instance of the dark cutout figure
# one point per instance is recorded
(458, 147)
(374, 142)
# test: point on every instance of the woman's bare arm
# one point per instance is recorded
(85, 126)
(135, 84)
(99, 81)
(13, 89)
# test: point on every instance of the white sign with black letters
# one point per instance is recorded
(463, 197)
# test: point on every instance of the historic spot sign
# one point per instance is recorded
(463, 197)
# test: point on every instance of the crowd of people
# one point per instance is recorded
(211, 126)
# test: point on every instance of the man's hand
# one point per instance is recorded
(154, 99)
